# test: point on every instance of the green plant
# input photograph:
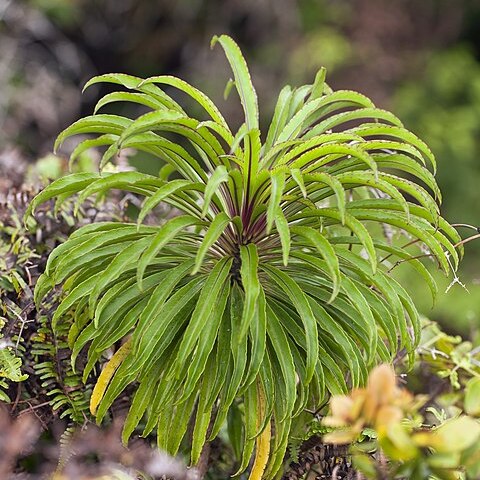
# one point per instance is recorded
(27, 340)
(268, 288)
(414, 448)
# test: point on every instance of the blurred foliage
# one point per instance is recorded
(442, 105)
(448, 356)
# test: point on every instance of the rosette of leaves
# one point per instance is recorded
(268, 288)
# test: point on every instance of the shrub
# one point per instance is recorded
(270, 287)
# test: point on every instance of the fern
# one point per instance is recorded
(270, 286)
(67, 394)
(10, 366)
(10, 371)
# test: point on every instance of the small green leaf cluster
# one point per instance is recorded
(269, 287)
(448, 356)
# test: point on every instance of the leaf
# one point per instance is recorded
(111, 124)
(140, 98)
(250, 422)
(251, 285)
(344, 117)
(166, 233)
(214, 284)
(263, 440)
(280, 117)
(282, 354)
(326, 250)
(239, 357)
(10, 366)
(162, 292)
(294, 126)
(196, 94)
(121, 180)
(472, 397)
(220, 222)
(155, 333)
(395, 132)
(258, 330)
(319, 84)
(141, 400)
(125, 259)
(204, 413)
(209, 336)
(85, 145)
(219, 176)
(351, 222)
(283, 230)
(277, 179)
(454, 435)
(149, 121)
(106, 375)
(134, 83)
(70, 184)
(160, 194)
(300, 301)
(243, 82)
(297, 176)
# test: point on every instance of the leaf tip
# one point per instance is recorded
(214, 41)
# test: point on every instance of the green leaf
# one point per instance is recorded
(135, 83)
(258, 330)
(111, 124)
(156, 334)
(10, 366)
(149, 121)
(300, 301)
(282, 354)
(209, 336)
(319, 84)
(243, 82)
(239, 361)
(277, 179)
(214, 284)
(127, 258)
(219, 176)
(141, 400)
(217, 227)
(141, 98)
(472, 397)
(280, 117)
(250, 283)
(283, 230)
(166, 233)
(204, 413)
(160, 194)
(298, 177)
(325, 249)
(196, 94)
(70, 184)
(158, 297)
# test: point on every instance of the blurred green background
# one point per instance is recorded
(420, 59)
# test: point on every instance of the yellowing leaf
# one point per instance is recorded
(107, 374)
